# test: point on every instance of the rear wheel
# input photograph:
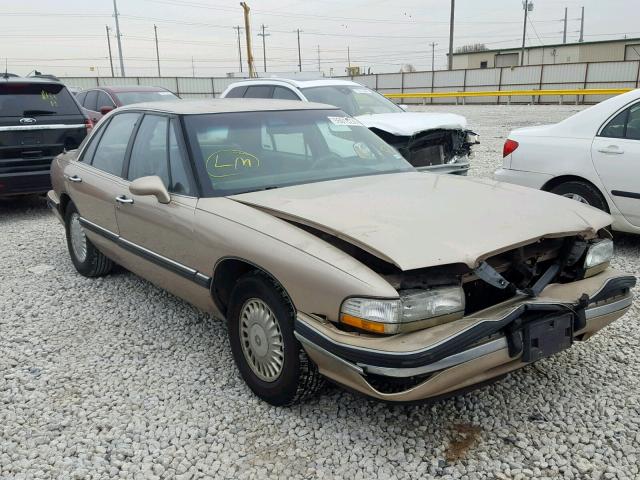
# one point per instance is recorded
(87, 259)
(270, 359)
(582, 192)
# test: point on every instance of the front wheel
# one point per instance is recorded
(581, 192)
(87, 259)
(270, 359)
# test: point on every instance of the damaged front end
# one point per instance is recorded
(438, 150)
(514, 308)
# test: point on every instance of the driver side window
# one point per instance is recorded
(149, 153)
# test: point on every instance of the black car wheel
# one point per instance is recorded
(87, 259)
(270, 359)
(582, 192)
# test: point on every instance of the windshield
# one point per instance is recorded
(353, 99)
(249, 151)
(127, 98)
(33, 99)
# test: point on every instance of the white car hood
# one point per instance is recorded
(410, 123)
(417, 220)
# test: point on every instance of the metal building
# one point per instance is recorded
(600, 51)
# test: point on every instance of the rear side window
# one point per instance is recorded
(237, 92)
(109, 156)
(36, 99)
(259, 91)
(626, 124)
(104, 100)
(80, 97)
(283, 93)
(91, 100)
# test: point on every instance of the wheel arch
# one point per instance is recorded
(554, 182)
(226, 273)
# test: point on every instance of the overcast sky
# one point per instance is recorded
(67, 37)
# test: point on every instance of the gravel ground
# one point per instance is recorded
(114, 378)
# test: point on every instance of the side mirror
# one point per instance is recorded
(104, 110)
(150, 186)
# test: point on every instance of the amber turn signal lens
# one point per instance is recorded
(362, 324)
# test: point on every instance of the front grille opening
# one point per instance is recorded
(395, 385)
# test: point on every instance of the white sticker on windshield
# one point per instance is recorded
(352, 122)
(363, 90)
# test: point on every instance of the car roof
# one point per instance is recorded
(323, 82)
(38, 80)
(225, 105)
(127, 88)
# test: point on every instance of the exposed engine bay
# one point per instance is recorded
(432, 147)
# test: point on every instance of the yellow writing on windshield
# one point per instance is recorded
(229, 163)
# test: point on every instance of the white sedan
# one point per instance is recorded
(592, 157)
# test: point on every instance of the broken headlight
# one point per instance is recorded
(414, 310)
(598, 254)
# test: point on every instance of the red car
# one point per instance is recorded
(99, 101)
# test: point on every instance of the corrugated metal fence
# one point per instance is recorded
(545, 77)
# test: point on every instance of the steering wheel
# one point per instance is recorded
(326, 160)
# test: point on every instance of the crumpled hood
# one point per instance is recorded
(417, 220)
(410, 123)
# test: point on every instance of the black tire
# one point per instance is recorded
(299, 377)
(95, 263)
(587, 191)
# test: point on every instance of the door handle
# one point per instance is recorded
(124, 199)
(74, 178)
(611, 149)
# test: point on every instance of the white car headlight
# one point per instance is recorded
(599, 253)
(414, 309)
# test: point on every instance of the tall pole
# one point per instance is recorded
(193, 68)
(564, 32)
(524, 30)
(581, 26)
(155, 31)
(239, 47)
(109, 45)
(299, 54)
(433, 55)
(349, 56)
(247, 32)
(319, 69)
(118, 35)
(453, 8)
(264, 51)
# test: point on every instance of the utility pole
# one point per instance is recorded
(525, 5)
(319, 69)
(564, 31)
(118, 36)
(349, 57)
(239, 47)
(453, 8)
(264, 51)
(155, 31)
(581, 26)
(247, 32)
(109, 45)
(299, 54)
(433, 55)
(193, 68)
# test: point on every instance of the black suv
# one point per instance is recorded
(39, 119)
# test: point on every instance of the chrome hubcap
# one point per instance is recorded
(261, 340)
(576, 197)
(78, 238)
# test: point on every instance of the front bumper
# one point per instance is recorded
(460, 354)
(457, 168)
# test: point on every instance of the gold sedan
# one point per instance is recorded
(328, 254)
